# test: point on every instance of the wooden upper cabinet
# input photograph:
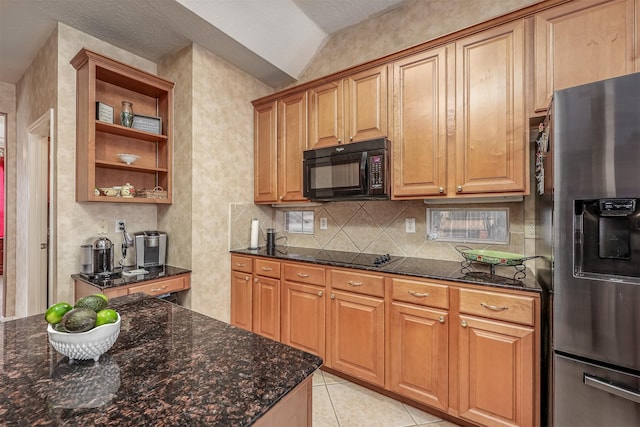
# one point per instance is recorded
(419, 140)
(350, 109)
(584, 41)
(326, 115)
(292, 141)
(98, 142)
(265, 186)
(491, 142)
(366, 105)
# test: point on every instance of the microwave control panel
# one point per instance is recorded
(376, 172)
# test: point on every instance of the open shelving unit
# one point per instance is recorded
(98, 143)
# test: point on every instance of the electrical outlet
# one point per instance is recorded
(323, 223)
(102, 226)
(120, 225)
(410, 225)
(529, 229)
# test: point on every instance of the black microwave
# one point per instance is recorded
(356, 171)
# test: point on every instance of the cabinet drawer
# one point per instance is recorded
(304, 274)
(368, 284)
(422, 293)
(494, 305)
(265, 267)
(160, 287)
(241, 263)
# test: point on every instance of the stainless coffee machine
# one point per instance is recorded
(97, 258)
(150, 248)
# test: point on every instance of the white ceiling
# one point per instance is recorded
(273, 40)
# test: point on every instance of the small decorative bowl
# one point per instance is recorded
(85, 345)
(128, 158)
(111, 192)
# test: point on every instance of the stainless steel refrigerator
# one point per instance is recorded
(588, 214)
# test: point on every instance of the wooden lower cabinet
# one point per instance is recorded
(356, 336)
(496, 372)
(266, 307)
(241, 300)
(469, 351)
(303, 317)
(419, 354)
(150, 287)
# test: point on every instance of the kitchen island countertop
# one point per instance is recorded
(170, 366)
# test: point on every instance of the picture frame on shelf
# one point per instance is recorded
(150, 124)
(104, 112)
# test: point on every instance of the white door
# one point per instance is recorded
(38, 278)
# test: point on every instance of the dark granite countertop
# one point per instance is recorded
(117, 279)
(169, 367)
(474, 273)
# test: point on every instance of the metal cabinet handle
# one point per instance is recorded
(267, 268)
(463, 324)
(440, 190)
(256, 280)
(352, 283)
(319, 293)
(302, 275)
(159, 289)
(239, 264)
(493, 307)
(350, 138)
(459, 188)
(246, 278)
(609, 387)
(419, 294)
(339, 141)
(333, 296)
(441, 319)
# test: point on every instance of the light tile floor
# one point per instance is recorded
(340, 403)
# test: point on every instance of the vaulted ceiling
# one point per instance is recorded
(273, 40)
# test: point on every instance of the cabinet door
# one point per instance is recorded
(419, 354)
(303, 317)
(241, 298)
(496, 373)
(292, 141)
(366, 105)
(266, 307)
(581, 42)
(326, 115)
(265, 154)
(491, 142)
(420, 136)
(356, 336)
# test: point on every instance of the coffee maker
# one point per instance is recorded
(150, 248)
(97, 258)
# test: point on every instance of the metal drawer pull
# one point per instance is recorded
(352, 283)
(239, 264)
(494, 307)
(419, 294)
(303, 275)
(256, 280)
(441, 319)
(463, 323)
(267, 268)
(618, 390)
(319, 293)
(333, 296)
(158, 289)
(246, 278)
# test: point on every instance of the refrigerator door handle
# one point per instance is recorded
(618, 390)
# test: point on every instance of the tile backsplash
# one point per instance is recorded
(370, 226)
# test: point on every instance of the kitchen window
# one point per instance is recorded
(468, 225)
(299, 222)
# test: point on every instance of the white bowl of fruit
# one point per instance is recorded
(84, 331)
